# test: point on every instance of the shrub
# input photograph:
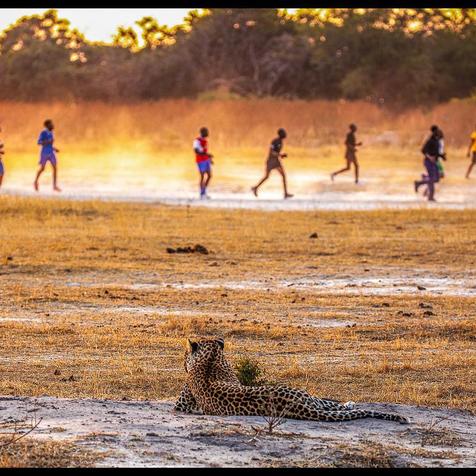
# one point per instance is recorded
(249, 372)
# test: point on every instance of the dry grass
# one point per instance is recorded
(91, 303)
(33, 453)
(234, 124)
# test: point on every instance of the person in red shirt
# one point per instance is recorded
(204, 161)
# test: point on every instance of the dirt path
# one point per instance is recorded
(149, 433)
(325, 200)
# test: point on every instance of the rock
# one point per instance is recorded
(200, 249)
(421, 288)
(425, 306)
(313, 236)
(57, 372)
(71, 378)
(188, 249)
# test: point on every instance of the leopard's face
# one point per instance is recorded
(198, 352)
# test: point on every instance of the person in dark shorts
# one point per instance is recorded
(274, 163)
(472, 152)
(48, 154)
(351, 145)
(430, 150)
(2, 153)
(441, 156)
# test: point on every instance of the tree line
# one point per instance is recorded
(392, 57)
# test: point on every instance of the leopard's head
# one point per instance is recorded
(202, 351)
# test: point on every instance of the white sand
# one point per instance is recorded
(353, 198)
(145, 433)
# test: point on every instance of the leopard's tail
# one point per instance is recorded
(347, 415)
(386, 416)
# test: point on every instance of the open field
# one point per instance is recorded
(144, 151)
(378, 308)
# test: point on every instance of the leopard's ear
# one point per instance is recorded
(193, 346)
(221, 343)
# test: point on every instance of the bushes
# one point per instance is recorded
(373, 56)
(249, 372)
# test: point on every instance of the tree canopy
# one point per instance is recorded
(395, 57)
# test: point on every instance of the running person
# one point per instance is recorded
(441, 153)
(351, 145)
(441, 156)
(47, 154)
(472, 152)
(274, 162)
(204, 161)
(2, 153)
(431, 151)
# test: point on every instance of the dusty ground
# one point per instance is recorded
(378, 308)
(134, 433)
(169, 176)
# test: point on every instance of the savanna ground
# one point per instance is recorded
(379, 307)
(93, 306)
(144, 151)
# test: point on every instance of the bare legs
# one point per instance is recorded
(471, 165)
(55, 175)
(1, 180)
(204, 181)
(266, 177)
(346, 168)
(262, 181)
(40, 171)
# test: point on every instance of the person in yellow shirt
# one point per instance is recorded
(2, 153)
(472, 152)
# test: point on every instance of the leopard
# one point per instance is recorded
(220, 370)
(214, 389)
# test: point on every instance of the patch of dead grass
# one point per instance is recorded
(78, 266)
(33, 453)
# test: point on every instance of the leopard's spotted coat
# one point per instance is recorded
(213, 388)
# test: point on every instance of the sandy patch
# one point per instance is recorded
(346, 285)
(353, 199)
(149, 433)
